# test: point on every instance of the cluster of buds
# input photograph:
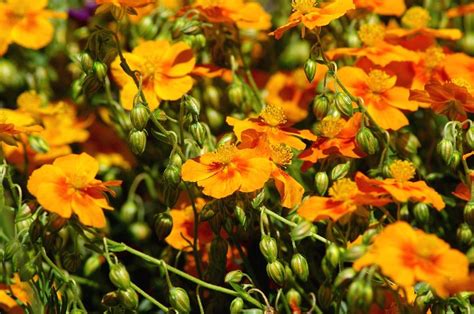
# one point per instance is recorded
(125, 296)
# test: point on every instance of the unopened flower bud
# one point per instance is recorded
(302, 230)
(268, 247)
(276, 271)
(36, 228)
(100, 70)
(421, 211)
(324, 296)
(470, 137)
(207, 212)
(333, 254)
(129, 298)
(92, 264)
(367, 295)
(128, 211)
(240, 214)
(86, 61)
(293, 298)
(469, 213)
(76, 89)
(215, 118)
(354, 294)
(321, 181)
(455, 160)
(236, 306)
(235, 93)
(212, 96)
(340, 171)
(71, 261)
(234, 276)
(344, 276)
(258, 200)
(119, 276)
(172, 175)
(299, 265)
(139, 116)
(137, 141)
(464, 234)
(159, 114)
(344, 104)
(192, 105)
(366, 141)
(163, 225)
(354, 252)
(179, 300)
(140, 230)
(199, 133)
(38, 144)
(111, 299)
(310, 67)
(445, 149)
(320, 106)
(27, 271)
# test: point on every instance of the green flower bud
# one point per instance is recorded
(111, 299)
(299, 265)
(179, 300)
(268, 247)
(215, 118)
(35, 231)
(100, 70)
(258, 200)
(293, 298)
(276, 271)
(212, 96)
(140, 230)
(216, 223)
(421, 211)
(234, 276)
(343, 104)
(310, 67)
(470, 255)
(92, 264)
(236, 306)
(366, 141)
(405, 213)
(159, 114)
(52, 241)
(333, 254)
(327, 268)
(354, 252)
(324, 296)
(470, 137)
(27, 271)
(320, 106)
(340, 171)
(199, 133)
(171, 194)
(469, 213)
(302, 230)
(147, 28)
(172, 175)
(367, 295)
(240, 214)
(455, 160)
(354, 295)
(71, 261)
(407, 142)
(86, 61)
(119, 276)
(163, 225)
(128, 211)
(321, 181)
(235, 93)
(129, 298)
(76, 89)
(137, 141)
(464, 234)
(445, 149)
(139, 116)
(227, 138)
(344, 276)
(192, 105)
(207, 212)
(91, 85)
(38, 144)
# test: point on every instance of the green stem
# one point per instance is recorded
(149, 297)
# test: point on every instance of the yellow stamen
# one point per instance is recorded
(343, 189)
(330, 126)
(416, 18)
(273, 115)
(463, 83)
(371, 34)
(225, 153)
(402, 170)
(281, 154)
(433, 57)
(303, 6)
(379, 81)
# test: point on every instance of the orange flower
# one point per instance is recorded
(69, 186)
(17, 290)
(165, 70)
(460, 65)
(407, 256)
(246, 14)
(383, 99)
(376, 49)
(228, 170)
(399, 186)
(461, 10)
(26, 23)
(344, 198)
(14, 123)
(272, 124)
(382, 7)
(335, 137)
(452, 99)
(432, 65)
(312, 16)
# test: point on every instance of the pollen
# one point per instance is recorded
(433, 57)
(273, 115)
(416, 18)
(330, 126)
(371, 34)
(225, 153)
(303, 6)
(402, 170)
(463, 83)
(281, 154)
(343, 189)
(379, 81)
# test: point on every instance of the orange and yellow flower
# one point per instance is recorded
(26, 23)
(311, 16)
(336, 136)
(461, 10)
(68, 186)
(165, 72)
(400, 187)
(382, 7)
(228, 170)
(17, 290)
(460, 66)
(344, 198)
(409, 256)
(14, 123)
(383, 99)
(272, 124)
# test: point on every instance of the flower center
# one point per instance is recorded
(78, 181)
(379, 81)
(331, 126)
(303, 6)
(343, 189)
(463, 83)
(225, 153)
(281, 154)
(416, 18)
(273, 115)
(433, 57)
(371, 34)
(402, 170)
